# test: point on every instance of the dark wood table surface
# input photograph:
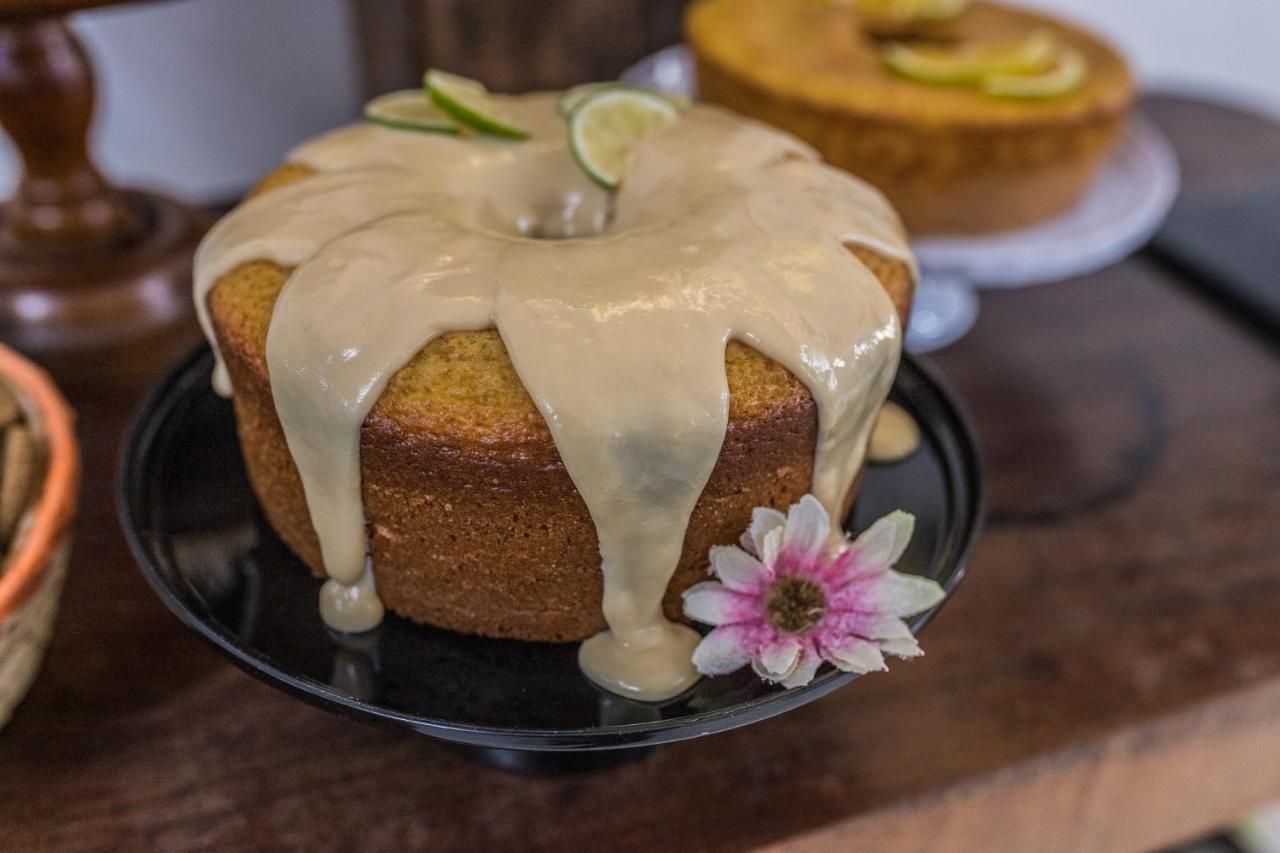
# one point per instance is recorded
(1108, 677)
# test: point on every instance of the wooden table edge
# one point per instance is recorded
(1136, 788)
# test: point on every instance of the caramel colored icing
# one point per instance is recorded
(895, 435)
(723, 229)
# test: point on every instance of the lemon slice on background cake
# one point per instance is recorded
(910, 11)
(971, 63)
(1038, 66)
(1066, 74)
(607, 122)
(898, 18)
(468, 102)
(409, 109)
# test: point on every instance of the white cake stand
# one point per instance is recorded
(1121, 211)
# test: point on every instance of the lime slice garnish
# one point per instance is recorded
(1066, 75)
(605, 126)
(972, 63)
(468, 102)
(409, 109)
(574, 96)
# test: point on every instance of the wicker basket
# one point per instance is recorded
(34, 572)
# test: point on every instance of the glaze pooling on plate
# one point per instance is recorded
(895, 435)
(723, 229)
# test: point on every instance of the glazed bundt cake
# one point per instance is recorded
(539, 369)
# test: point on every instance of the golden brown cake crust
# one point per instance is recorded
(473, 521)
(950, 159)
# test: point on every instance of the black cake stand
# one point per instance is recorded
(196, 529)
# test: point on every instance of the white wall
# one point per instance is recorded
(200, 97)
(1228, 50)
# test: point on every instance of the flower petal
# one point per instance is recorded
(810, 660)
(868, 624)
(901, 648)
(876, 544)
(808, 525)
(905, 526)
(884, 627)
(715, 604)
(906, 595)
(723, 650)
(737, 569)
(763, 520)
(770, 547)
(778, 659)
(855, 655)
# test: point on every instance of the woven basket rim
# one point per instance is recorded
(55, 505)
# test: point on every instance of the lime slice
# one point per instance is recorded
(972, 63)
(605, 126)
(409, 109)
(1066, 75)
(468, 102)
(576, 95)
(573, 97)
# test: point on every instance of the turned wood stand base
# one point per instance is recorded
(85, 268)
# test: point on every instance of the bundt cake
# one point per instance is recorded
(462, 357)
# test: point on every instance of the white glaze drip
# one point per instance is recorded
(723, 229)
(351, 608)
(895, 435)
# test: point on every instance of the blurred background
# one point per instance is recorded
(180, 82)
(1128, 422)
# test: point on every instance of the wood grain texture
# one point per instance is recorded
(1107, 678)
(511, 45)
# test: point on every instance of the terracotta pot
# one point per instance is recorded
(32, 576)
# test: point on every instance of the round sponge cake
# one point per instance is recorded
(473, 522)
(949, 158)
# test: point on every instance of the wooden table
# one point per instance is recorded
(1108, 678)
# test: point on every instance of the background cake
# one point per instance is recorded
(951, 158)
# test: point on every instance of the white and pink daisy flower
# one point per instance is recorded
(793, 596)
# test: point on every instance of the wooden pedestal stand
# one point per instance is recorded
(83, 266)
